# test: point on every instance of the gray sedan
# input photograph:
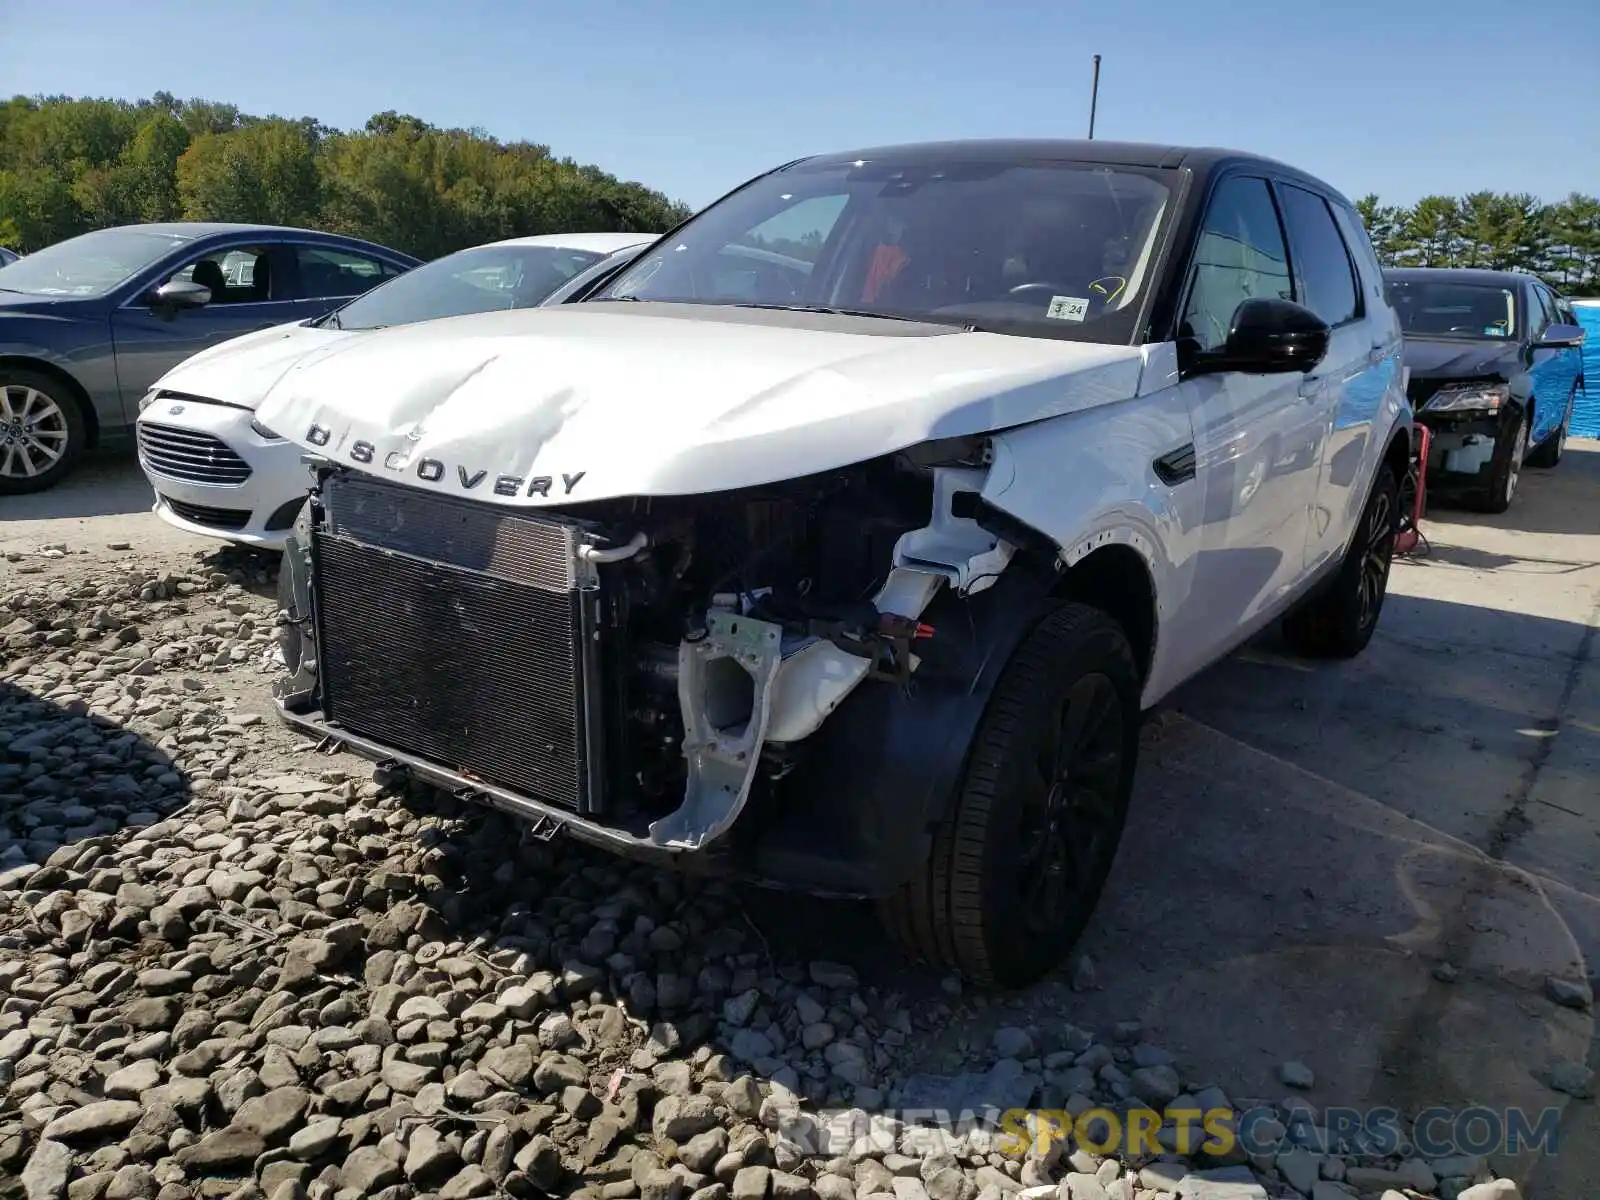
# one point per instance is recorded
(87, 325)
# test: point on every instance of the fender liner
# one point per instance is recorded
(855, 817)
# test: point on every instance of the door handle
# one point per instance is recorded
(1312, 388)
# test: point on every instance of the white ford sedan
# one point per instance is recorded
(218, 472)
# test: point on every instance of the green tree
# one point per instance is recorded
(264, 172)
(1384, 224)
(1430, 235)
(70, 165)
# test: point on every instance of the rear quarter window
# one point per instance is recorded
(1368, 268)
(1322, 262)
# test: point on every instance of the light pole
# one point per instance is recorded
(1094, 96)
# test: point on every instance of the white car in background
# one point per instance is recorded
(217, 472)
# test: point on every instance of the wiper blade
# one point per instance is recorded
(823, 308)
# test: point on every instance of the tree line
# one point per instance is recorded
(71, 165)
(1500, 230)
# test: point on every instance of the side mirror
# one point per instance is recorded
(1562, 337)
(1269, 336)
(178, 293)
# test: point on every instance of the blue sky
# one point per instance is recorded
(696, 96)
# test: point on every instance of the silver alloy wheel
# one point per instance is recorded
(33, 431)
(1518, 451)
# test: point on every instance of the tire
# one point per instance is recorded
(1505, 468)
(1339, 620)
(39, 418)
(983, 903)
(1548, 453)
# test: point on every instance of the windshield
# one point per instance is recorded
(89, 265)
(1058, 250)
(469, 281)
(1434, 308)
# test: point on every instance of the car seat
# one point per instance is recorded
(208, 274)
(261, 278)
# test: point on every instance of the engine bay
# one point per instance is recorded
(809, 557)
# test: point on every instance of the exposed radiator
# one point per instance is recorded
(458, 632)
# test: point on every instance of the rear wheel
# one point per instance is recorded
(1339, 620)
(41, 432)
(1018, 866)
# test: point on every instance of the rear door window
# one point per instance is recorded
(1321, 259)
(325, 272)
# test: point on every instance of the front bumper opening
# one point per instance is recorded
(204, 514)
(1462, 444)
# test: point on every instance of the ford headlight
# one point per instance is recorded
(261, 431)
(1468, 397)
(149, 398)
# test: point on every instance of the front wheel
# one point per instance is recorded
(1019, 864)
(41, 432)
(1505, 467)
(1548, 452)
(1339, 620)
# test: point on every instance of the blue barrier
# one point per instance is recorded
(1586, 412)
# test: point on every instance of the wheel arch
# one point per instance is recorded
(78, 393)
(1397, 454)
(1117, 579)
(885, 767)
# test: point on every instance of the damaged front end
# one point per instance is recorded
(1466, 419)
(654, 675)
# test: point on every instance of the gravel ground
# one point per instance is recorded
(235, 966)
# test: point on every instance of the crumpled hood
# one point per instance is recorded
(599, 400)
(1444, 358)
(242, 370)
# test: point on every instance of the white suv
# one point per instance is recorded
(839, 542)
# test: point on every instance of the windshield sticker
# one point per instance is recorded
(1067, 308)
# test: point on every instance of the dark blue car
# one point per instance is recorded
(1496, 363)
(88, 324)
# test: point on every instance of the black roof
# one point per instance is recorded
(1465, 275)
(1202, 160)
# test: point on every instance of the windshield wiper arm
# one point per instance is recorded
(823, 308)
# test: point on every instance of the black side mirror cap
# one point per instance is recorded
(1268, 336)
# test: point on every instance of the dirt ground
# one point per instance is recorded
(1371, 868)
